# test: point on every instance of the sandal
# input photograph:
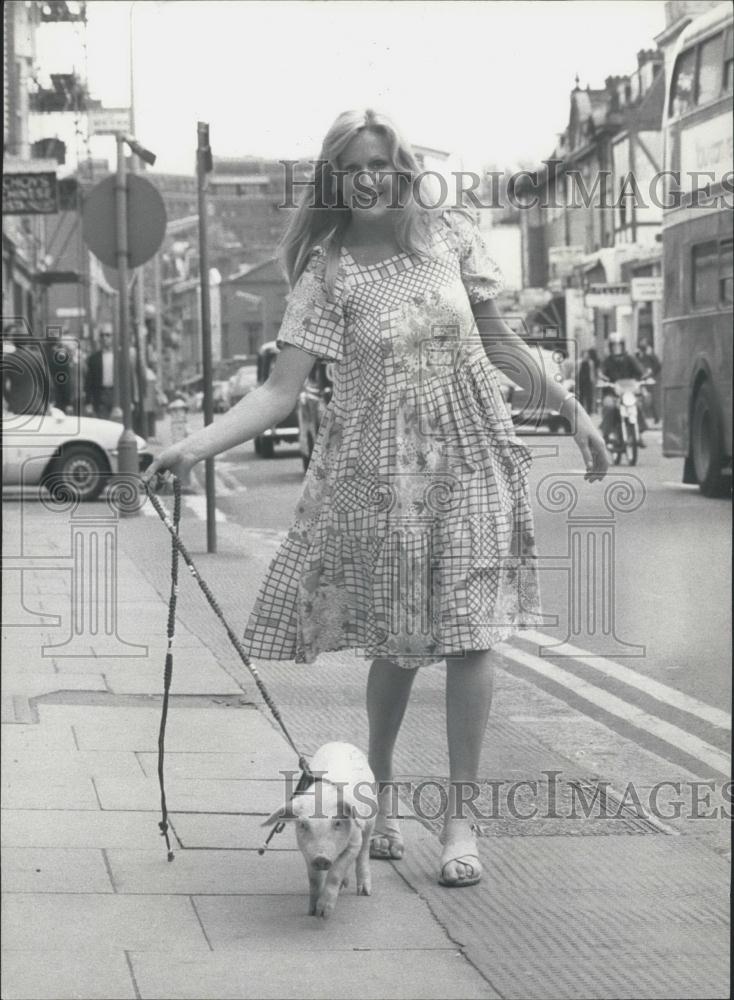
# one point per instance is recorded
(393, 851)
(386, 829)
(464, 850)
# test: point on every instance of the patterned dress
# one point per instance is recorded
(413, 534)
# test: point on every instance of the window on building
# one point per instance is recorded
(681, 96)
(710, 66)
(705, 274)
(726, 292)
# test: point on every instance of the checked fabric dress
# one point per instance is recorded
(413, 534)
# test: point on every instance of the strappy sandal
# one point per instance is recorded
(465, 849)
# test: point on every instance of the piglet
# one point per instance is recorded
(334, 818)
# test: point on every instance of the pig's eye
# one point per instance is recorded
(302, 823)
(337, 822)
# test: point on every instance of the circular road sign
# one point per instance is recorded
(146, 220)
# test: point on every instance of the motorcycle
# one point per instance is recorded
(625, 398)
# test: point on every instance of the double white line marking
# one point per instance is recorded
(624, 710)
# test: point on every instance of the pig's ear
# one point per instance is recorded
(348, 810)
(280, 815)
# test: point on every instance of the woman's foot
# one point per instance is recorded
(460, 865)
(386, 842)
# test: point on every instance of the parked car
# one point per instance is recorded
(244, 380)
(527, 417)
(312, 403)
(287, 429)
(80, 453)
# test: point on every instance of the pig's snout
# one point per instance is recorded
(321, 863)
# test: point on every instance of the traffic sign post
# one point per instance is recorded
(123, 223)
(127, 449)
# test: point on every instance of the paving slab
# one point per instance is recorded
(274, 923)
(231, 730)
(309, 975)
(43, 869)
(65, 763)
(192, 678)
(72, 792)
(59, 975)
(225, 872)
(97, 922)
(31, 738)
(79, 828)
(195, 795)
(267, 764)
(33, 683)
(228, 832)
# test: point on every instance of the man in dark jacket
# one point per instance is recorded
(99, 379)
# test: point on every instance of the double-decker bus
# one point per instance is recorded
(697, 252)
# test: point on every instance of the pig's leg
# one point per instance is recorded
(316, 881)
(330, 892)
(364, 876)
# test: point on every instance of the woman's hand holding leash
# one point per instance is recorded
(174, 461)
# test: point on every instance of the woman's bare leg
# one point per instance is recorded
(469, 681)
(388, 691)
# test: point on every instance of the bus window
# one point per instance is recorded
(728, 62)
(705, 274)
(710, 69)
(681, 95)
(725, 273)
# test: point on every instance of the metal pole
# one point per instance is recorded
(158, 320)
(127, 449)
(139, 288)
(202, 150)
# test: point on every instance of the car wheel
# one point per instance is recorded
(80, 471)
(706, 446)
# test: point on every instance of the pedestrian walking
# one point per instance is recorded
(99, 379)
(652, 367)
(413, 539)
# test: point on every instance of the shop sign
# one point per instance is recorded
(30, 193)
(648, 289)
(608, 296)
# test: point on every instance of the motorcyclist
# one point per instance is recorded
(619, 364)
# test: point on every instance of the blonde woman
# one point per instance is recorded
(413, 538)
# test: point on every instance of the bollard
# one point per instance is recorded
(179, 411)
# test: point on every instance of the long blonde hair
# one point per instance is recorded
(312, 225)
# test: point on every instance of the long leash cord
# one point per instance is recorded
(177, 546)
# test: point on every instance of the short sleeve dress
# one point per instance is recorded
(413, 534)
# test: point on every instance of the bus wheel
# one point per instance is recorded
(706, 443)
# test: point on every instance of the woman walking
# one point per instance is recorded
(413, 537)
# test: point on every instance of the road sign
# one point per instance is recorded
(109, 121)
(146, 220)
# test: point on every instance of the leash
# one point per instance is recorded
(178, 547)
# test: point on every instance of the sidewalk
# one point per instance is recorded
(92, 909)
